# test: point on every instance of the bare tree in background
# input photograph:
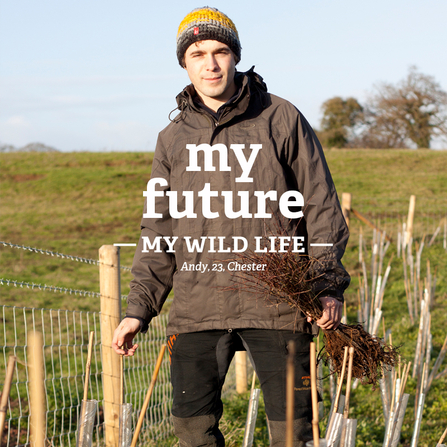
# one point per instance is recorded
(413, 111)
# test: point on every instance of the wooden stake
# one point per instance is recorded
(241, 371)
(5, 393)
(37, 390)
(109, 278)
(409, 232)
(346, 199)
(314, 393)
(290, 394)
(148, 396)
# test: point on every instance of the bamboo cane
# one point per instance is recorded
(393, 393)
(290, 394)
(406, 377)
(441, 439)
(88, 364)
(314, 393)
(348, 383)
(86, 384)
(148, 396)
(5, 393)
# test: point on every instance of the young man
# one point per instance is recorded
(234, 165)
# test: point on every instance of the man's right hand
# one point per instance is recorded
(123, 337)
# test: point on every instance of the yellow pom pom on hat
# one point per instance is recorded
(207, 24)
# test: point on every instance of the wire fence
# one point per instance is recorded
(65, 336)
(56, 254)
(66, 333)
(65, 343)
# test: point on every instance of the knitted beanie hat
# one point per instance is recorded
(207, 24)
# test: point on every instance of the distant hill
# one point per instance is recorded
(31, 147)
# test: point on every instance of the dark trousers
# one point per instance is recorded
(199, 363)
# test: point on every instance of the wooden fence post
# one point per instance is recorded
(241, 371)
(346, 198)
(409, 230)
(38, 423)
(110, 289)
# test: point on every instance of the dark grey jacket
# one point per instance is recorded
(291, 158)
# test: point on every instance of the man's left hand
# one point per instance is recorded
(332, 310)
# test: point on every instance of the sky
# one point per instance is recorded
(102, 75)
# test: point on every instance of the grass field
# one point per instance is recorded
(74, 203)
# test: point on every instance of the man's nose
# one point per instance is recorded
(211, 63)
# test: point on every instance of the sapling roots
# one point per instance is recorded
(287, 277)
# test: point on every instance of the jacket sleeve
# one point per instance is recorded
(153, 271)
(325, 223)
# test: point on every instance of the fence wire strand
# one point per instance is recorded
(15, 283)
(58, 255)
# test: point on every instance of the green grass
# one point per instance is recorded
(74, 203)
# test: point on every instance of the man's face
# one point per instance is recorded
(211, 66)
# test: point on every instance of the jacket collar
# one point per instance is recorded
(252, 85)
